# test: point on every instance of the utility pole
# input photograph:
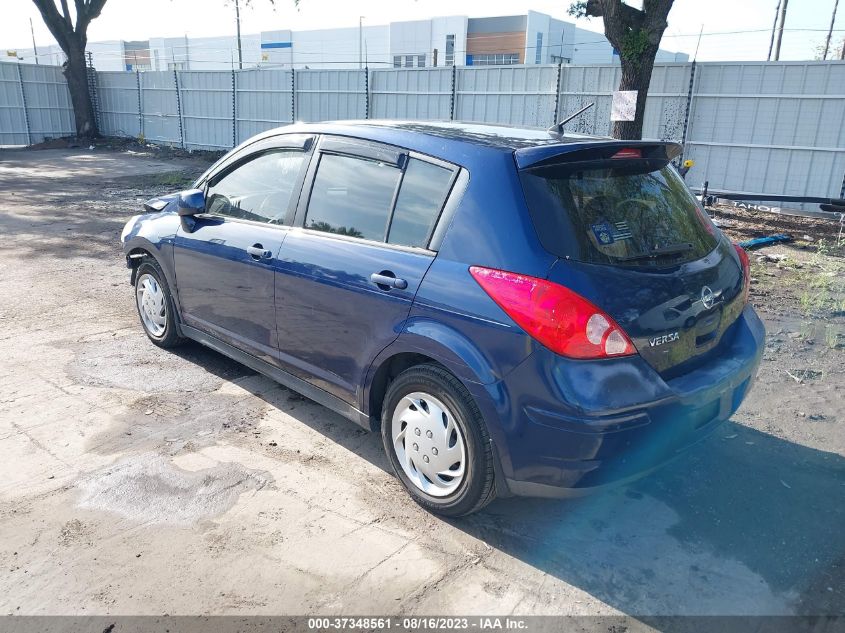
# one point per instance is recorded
(780, 28)
(360, 41)
(830, 30)
(238, 20)
(35, 48)
(774, 28)
(842, 50)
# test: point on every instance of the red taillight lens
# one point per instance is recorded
(628, 152)
(560, 319)
(746, 271)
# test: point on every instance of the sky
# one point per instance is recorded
(806, 25)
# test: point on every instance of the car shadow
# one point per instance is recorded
(745, 523)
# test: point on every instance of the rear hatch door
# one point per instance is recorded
(632, 239)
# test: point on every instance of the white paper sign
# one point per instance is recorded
(624, 105)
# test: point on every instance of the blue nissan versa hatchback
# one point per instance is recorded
(520, 312)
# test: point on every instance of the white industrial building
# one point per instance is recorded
(531, 38)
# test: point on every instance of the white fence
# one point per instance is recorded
(757, 127)
(34, 104)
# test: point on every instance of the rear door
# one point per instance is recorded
(634, 240)
(348, 274)
(226, 258)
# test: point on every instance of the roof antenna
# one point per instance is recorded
(558, 128)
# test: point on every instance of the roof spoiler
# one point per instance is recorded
(590, 153)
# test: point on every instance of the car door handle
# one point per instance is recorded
(387, 280)
(257, 251)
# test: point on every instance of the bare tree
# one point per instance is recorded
(72, 38)
(635, 34)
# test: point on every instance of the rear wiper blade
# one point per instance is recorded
(672, 249)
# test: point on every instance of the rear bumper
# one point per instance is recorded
(567, 428)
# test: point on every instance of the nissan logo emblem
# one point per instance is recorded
(707, 297)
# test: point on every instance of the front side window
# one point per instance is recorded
(450, 49)
(397, 61)
(258, 190)
(352, 196)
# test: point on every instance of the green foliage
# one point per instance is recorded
(578, 10)
(339, 230)
(634, 45)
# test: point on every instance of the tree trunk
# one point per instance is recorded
(76, 73)
(636, 75)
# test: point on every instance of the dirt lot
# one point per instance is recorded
(139, 481)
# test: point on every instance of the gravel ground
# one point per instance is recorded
(140, 481)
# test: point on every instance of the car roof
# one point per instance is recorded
(505, 137)
(444, 138)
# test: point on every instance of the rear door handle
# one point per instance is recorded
(387, 280)
(257, 251)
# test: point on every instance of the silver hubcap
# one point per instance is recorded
(151, 304)
(429, 444)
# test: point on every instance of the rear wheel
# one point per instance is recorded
(437, 442)
(155, 305)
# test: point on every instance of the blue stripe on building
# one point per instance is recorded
(276, 45)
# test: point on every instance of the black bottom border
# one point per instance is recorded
(422, 624)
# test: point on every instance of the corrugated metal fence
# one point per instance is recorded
(34, 104)
(761, 127)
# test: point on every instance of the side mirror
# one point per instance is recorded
(190, 202)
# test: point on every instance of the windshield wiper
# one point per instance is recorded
(672, 249)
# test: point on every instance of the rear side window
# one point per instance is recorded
(258, 190)
(421, 197)
(352, 196)
(622, 216)
(365, 198)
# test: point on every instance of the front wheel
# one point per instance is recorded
(155, 305)
(437, 442)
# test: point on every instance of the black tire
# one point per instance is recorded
(170, 336)
(478, 486)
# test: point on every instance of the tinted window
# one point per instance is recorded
(258, 190)
(352, 196)
(621, 216)
(421, 197)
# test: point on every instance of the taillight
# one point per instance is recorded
(560, 319)
(746, 272)
(628, 152)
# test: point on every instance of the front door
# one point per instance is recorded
(225, 265)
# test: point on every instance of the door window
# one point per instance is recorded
(421, 197)
(259, 190)
(352, 196)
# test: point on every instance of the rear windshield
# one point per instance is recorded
(622, 215)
